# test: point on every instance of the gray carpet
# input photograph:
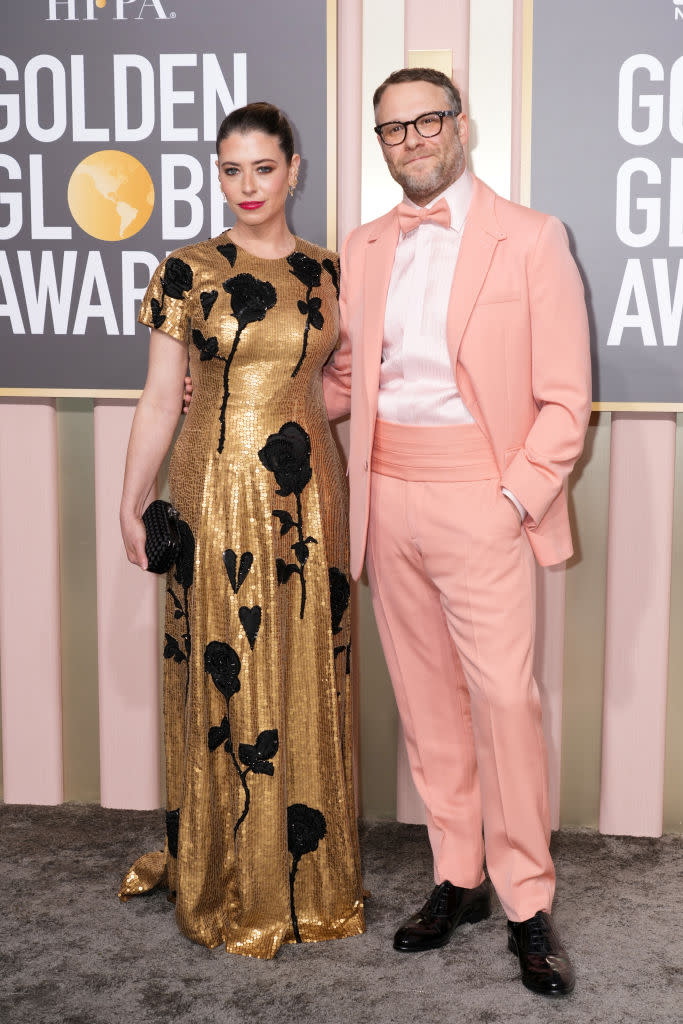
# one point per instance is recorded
(70, 953)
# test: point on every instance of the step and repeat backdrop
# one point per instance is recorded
(607, 158)
(108, 117)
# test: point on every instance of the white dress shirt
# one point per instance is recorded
(416, 380)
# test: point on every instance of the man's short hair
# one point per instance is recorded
(420, 75)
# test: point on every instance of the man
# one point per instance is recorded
(464, 361)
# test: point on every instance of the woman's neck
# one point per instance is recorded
(270, 242)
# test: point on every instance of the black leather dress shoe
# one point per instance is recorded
(447, 907)
(546, 967)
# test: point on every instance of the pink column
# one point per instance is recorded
(127, 632)
(431, 26)
(637, 623)
(349, 127)
(30, 644)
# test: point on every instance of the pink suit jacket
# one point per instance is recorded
(519, 346)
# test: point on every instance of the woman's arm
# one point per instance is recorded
(155, 420)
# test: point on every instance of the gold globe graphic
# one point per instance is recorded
(111, 195)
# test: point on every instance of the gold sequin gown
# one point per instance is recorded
(261, 845)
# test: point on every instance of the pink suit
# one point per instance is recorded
(449, 566)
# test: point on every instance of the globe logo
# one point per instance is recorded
(111, 195)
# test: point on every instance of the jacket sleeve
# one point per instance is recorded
(561, 379)
(337, 373)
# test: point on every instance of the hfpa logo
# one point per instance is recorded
(86, 10)
(678, 13)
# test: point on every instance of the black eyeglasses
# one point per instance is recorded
(393, 133)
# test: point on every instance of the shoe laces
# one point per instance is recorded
(438, 901)
(538, 935)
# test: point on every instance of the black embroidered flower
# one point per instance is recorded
(207, 300)
(331, 269)
(177, 278)
(229, 251)
(305, 269)
(250, 299)
(223, 664)
(208, 347)
(287, 455)
(158, 318)
(172, 826)
(305, 828)
(340, 592)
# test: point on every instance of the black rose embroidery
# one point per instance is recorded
(307, 271)
(223, 664)
(177, 278)
(287, 455)
(305, 828)
(184, 575)
(340, 593)
(250, 300)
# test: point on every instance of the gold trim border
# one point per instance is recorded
(331, 110)
(331, 216)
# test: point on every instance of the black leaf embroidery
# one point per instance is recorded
(235, 575)
(305, 828)
(287, 455)
(207, 300)
(340, 592)
(257, 756)
(172, 826)
(229, 251)
(251, 622)
(329, 266)
(308, 271)
(158, 317)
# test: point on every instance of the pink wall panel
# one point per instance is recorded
(637, 624)
(30, 647)
(128, 637)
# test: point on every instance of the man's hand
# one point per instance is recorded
(187, 394)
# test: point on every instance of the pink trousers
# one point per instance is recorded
(451, 577)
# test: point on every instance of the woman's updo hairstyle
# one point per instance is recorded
(259, 117)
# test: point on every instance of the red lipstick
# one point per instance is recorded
(250, 206)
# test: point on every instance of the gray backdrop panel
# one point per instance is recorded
(285, 46)
(576, 154)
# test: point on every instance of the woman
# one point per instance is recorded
(261, 842)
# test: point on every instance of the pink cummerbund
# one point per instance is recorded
(432, 453)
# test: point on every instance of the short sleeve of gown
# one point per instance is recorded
(166, 302)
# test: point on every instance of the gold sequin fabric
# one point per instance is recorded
(261, 845)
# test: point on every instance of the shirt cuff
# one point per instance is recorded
(518, 505)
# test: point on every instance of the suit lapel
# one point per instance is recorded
(380, 251)
(481, 236)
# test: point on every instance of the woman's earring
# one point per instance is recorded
(292, 188)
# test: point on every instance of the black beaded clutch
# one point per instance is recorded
(162, 545)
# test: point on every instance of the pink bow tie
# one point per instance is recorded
(410, 217)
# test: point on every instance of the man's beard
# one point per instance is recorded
(430, 183)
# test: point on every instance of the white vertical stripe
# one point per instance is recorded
(490, 91)
(383, 52)
(30, 642)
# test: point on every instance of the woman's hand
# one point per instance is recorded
(134, 537)
(187, 394)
